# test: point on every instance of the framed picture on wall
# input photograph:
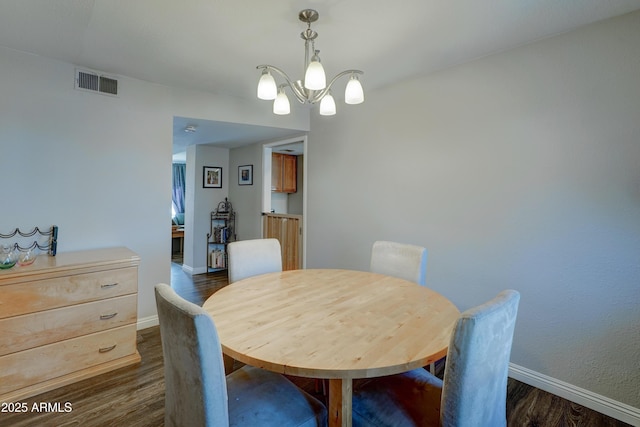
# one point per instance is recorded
(212, 177)
(245, 175)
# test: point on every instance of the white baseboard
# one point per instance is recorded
(586, 398)
(192, 270)
(147, 322)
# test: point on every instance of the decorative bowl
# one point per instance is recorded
(27, 258)
(8, 258)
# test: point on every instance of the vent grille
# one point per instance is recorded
(92, 81)
(108, 85)
(87, 81)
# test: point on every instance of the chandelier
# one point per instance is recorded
(313, 88)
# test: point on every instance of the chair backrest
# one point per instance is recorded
(253, 257)
(195, 382)
(400, 260)
(474, 391)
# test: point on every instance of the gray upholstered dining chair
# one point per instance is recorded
(474, 390)
(197, 391)
(400, 260)
(252, 257)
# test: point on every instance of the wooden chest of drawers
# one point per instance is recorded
(66, 318)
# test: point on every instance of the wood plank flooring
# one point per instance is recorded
(134, 396)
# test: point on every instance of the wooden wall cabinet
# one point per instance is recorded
(67, 318)
(283, 173)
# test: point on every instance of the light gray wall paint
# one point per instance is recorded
(279, 203)
(247, 199)
(200, 202)
(99, 166)
(295, 200)
(519, 170)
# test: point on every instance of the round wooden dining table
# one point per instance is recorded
(332, 324)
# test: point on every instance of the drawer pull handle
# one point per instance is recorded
(110, 285)
(107, 349)
(108, 316)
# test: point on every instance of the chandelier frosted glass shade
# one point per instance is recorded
(315, 78)
(354, 94)
(328, 105)
(314, 88)
(267, 88)
(281, 104)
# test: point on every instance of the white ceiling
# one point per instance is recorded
(215, 45)
(222, 134)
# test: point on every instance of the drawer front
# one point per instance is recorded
(30, 297)
(19, 370)
(45, 327)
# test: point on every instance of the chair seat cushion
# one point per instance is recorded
(408, 399)
(262, 398)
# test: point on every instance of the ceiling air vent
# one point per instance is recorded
(92, 81)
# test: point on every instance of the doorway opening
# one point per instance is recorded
(284, 210)
(177, 212)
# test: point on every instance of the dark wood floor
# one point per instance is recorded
(134, 396)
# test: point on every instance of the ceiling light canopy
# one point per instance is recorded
(313, 88)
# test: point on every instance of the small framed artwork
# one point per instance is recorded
(212, 177)
(245, 175)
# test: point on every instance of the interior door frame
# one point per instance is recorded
(267, 150)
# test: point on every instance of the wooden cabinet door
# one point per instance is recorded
(283, 173)
(289, 177)
(276, 172)
(288, 230)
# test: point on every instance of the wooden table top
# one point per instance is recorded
(332, 323)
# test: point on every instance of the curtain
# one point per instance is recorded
(178, 187)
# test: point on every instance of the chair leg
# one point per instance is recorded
(228, 364)
(437, 368)
(321, 386)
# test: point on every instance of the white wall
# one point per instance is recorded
(279, 203)
(247, 199)
(98, 166)
(519, 170)
(201, 201)
(295, 205)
